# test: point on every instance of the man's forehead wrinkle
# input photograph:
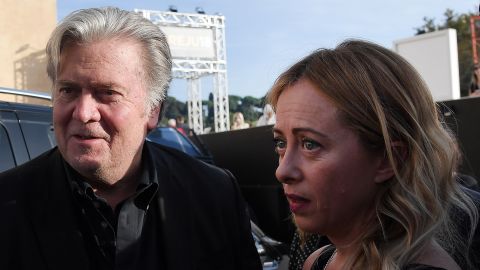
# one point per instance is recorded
(90, 62)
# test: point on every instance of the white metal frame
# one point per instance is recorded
(195, 105)
(25, 93)
(193, 69)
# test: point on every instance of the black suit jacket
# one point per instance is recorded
(205, 223)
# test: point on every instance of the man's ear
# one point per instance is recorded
(385, 169)
(154, 117)
(162, 110)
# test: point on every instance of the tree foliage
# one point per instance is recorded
(249, 106)
(173, 108)
(460, 22)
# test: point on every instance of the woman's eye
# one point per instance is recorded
(279, 144)
(309, 144)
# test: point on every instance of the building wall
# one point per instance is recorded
(25, 26)
(435, 56)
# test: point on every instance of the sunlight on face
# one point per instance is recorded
(99, 108)
(327, 174)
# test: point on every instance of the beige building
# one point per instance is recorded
(25, 26)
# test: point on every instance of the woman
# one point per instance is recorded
(268, 116)
(364, 160)
(474, 90)
(239, 122)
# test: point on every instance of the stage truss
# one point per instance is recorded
(192, 69)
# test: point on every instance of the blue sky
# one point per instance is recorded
(264, 37)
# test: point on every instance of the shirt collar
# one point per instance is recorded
(146, 189)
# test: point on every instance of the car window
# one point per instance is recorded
(6, 153)
(172, 138)
(37, 129)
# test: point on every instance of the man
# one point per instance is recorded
(181, 126)
(105, 198)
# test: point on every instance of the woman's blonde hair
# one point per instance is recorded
(383, 99)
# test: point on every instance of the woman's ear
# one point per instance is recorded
(385, 169)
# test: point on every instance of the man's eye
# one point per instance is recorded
(108, 92)
(310, 144)
(65, 90)
(108, 95)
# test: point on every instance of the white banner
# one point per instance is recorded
(190, 42)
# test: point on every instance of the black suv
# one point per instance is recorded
(26, 130)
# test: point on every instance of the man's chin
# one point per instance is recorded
(95, 173)
(86, 168)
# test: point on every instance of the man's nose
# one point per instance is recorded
(289, 168)
(86, 109)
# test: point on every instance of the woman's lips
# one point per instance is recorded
(297, 203)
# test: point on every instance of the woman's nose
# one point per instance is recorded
(289, 168)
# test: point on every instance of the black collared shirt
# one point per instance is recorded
(127, 238)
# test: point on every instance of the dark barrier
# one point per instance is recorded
(463, 117)
(249, 155)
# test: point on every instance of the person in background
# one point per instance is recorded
(365, 161)
(105, 198)
(172, 123)
(239, 122)
(268, 116)
(181, 126)
(475, 84)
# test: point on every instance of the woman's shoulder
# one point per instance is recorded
(433, 257)
(319, 258)
(417, 266)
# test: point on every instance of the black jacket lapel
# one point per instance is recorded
(176, 218)
(53, 218)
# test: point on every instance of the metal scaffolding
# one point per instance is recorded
(473, 30)
(192, 69)
(195, 119)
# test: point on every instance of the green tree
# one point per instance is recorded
(461, 23)
(174, 108)
(248, 106)
(234, 102)
(252, 101)
(208, 118)
(251, 108)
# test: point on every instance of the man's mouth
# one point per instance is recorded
(84, 137)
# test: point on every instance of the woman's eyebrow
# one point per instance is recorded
(307, 129)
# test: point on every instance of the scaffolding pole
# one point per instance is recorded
(195, 119)
(192, 69)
